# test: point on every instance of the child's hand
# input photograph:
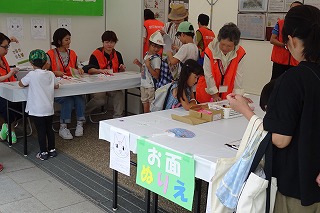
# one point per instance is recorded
(13, 71)
(14, 39)
(80, 71)
(58, 73)
(137, 62)
(174, 47)
(122, 68)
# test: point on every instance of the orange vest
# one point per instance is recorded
(56, 61)
(226, 80)
(280, 55)
(5, 71)
(151, 25)
(104, 63)
(207, 36)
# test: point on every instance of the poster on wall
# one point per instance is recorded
(157, 7)
(15, 27)
(315, 3)
(253, 5)
(252, 26)
(38, 28)
(272, 19)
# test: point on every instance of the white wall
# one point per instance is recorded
(85, 33)
(257, 61)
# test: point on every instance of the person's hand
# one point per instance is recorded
(318, 180)
(240, 104)
(122, 68)
(14, 39)
(216, 97)
(174, 47)
(13, 71)
(81, 71)
(58, 73)
(137, 62)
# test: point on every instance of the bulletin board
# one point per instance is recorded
(53, 7)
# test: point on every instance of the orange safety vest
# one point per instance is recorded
(226, 80)
(280, 55)
(151, 25)
(57, 64)
(207, 36)
(6, 70)
(104, 63)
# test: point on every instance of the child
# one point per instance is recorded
(181, 92)
(40, 101)
(150, 70)
(188, 50)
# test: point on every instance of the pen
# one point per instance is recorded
(231, 146)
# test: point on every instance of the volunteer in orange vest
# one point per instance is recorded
(151, 25)
(61, 59)
(203, 35)
(106, 60)
(6, 75)
(281, 57)
(223, 66)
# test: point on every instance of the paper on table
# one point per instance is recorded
(75, 73)
(168, 43)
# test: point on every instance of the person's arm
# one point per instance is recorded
(281, 141)
(122, 67)
(199, 40)
(274, 36)
(210, 82)
(11, 73)
(93, 66)
(241, 105)
(186, 104)
(172, 60)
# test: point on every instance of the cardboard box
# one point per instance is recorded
(199, 114)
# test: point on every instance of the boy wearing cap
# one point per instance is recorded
(150, 71)
(188, 50)
(40, 99)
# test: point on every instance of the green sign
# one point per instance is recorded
(165, 172)
(54, 7)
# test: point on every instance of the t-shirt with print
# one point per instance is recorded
(146, 77)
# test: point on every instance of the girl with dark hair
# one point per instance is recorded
(61, 59)
(293, 115)
(181, 92)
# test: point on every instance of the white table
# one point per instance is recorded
(86, 85)
(206, 147)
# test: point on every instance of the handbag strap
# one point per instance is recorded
(264, 149)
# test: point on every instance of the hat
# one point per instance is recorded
(157, 38)
(185, 27)
(37, 55)
(178, 12)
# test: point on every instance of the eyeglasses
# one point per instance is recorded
(5, 47)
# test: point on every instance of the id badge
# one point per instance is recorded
(223, 89)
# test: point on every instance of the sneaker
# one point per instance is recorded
(42, 155)
(65, 133)
(13, 137)
(4, 131)
(79, 130)
(52, 153)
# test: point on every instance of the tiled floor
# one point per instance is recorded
(26, 188)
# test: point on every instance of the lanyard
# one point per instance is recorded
(61, 60)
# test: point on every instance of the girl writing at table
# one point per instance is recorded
(6, 75)
(181, 92)
(40, 98)
(61, 59)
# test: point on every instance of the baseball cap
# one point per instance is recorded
(185, 27)
(37, 54)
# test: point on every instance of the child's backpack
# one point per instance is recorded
(165, 74)
(161, 97)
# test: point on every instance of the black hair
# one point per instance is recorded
(203, 19)
(265, 94)
(109, 36)
(38, 63)
(3, 37)
(190, 66)
(230, 31)
(58, 35)
(303, 22)
(148, 14)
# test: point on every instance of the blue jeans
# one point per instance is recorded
(67, 104)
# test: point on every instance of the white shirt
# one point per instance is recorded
(186, 51)
(146, 77)
(40, 93)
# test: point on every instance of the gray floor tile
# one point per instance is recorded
(27, 175)
(25, 206)
(10, 191)
(52, 193)
(83, 207)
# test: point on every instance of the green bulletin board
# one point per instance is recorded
(53, 7)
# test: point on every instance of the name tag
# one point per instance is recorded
(223, 89)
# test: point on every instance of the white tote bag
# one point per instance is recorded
(224, 164)
(253, 196)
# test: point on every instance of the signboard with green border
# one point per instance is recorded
(53, 7)
(168, 173)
